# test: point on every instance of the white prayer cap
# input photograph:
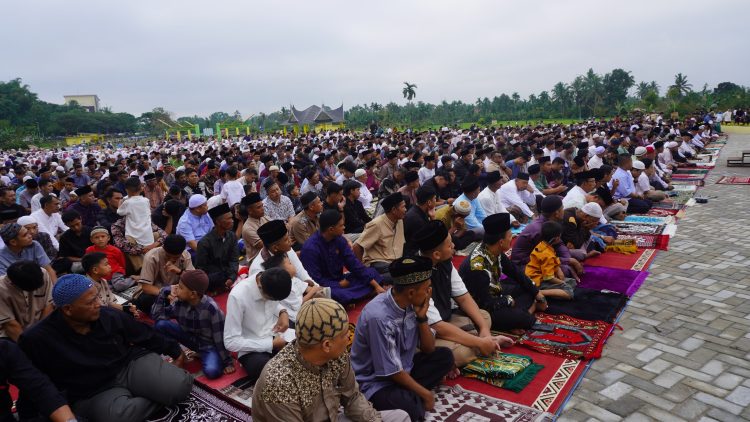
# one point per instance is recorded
(638, 165)
(25, 178)
(592, 209)
(26, 220)
(60, 168)
(595, 136)
(196, 200)
(214, 201)
(672, 144)
(640, 151)
(599, 150)
(360, 173)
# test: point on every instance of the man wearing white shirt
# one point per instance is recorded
(489, 197)
(232, 191)
(428, 171)
(49, 220)
(577, 196)
(517, 197)
(596, 160)
(365, 196)
(642, 184)
(45, 188)
(256, 325)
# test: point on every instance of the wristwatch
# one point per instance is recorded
(422, 320)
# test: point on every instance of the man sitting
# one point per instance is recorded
(257, 323)
(198, 321)
(454, 218)
(470, 188)
(20, 246)
(107, 363)
(418, 216)
(217, 252)
(625, 188)
(382, 240)
(390, 372)
(306, 222)
(49, 220)
(517, 196)
(276, 241)
(195, 222)
(162, 266)
(577, 196)
(281, 393)
(25, 298)
(326, 253)
(73, 242)
(44, 239)
(489, 197)
(511, 305)
(448, 320)
(576, 230)
(355, 216)
(252, 205)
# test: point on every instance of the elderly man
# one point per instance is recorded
(512, 304)
(306, 222)
(25, 298)
(43, 238)
(517, 196)
(382, 240)
(107, 362)
(577, 224)
(452, 309)
(195, 223)
(578, 195)
(49, 220)
(625, 188)
(279, 396)
(19, 246)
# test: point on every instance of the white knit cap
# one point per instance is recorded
(592, 209)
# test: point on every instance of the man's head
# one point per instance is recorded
(275, 237)
(16, 236)
(334, 193)
(26, 275)
(192, 176)
(552, 207)
(441, 178)
(50, 204)
(272, 189)
(253, 205)
(497, 231)
(198, 204)
(412, 278)
(30, 224)
(45, 186)
(221, 215)
(72, 219)
(322, 328)
(590, 214)
(311, 203)
(470, 187)
(7, 196)
(586, 180)
(76, 296)
(275, 284)
(412, 179)
(351, 190)
(85, 196)
(193, 285)
(434, 241)
(96, 265)
(636, 168)
(331, 223)
(394, 206)
(174, 245)
(99, 236)
(31, 185)
(426, 197)
(150, 180)
(112, 197)
(522, 181)
(625, 161)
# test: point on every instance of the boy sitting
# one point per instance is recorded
(301, 291)
(96, 266)
(198, 322)
(544, 265)
(115, 257)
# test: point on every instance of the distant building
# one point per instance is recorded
(89, 102)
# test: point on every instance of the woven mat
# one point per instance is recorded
(571, 338)
(454, 403)
(202, 405)
(734, 180)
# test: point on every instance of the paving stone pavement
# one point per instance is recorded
(684, 350)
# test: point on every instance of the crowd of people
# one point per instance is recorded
(111, 256)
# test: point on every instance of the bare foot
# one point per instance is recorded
(453, 374)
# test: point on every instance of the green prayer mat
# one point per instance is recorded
(504, 370)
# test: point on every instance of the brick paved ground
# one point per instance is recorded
(684, 352)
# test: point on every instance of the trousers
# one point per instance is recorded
(428, 371)
(142, 387)
(462, 355)
(254, 362)
(518, 316)
(212, 364)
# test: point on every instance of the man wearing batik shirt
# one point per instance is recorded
(391, 374)
(290, 386)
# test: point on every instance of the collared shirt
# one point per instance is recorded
(232, 192)
(82, 180)
(204, 323)
(424, 174)
(575, 198)
(83, 365)
(476, 216)
(34, 252)
(50, 224)
(510, 196)
(595, 162)
(365, 196)
(385, 342)
(292, 389)
(35, 201)
(250, 236)
(21, 306)
(282, 210)
(382, 240)
(491, 203)
(193, 227)
(250, 320)
(642, 185)
(89, 214)
(218, 254)
(154, 267)
(543, 263)
(301, 227)
(626, 186)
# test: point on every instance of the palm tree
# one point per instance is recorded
(560, 95)
(408, 91)
(654, 87)
(642, 89)
(681, 84)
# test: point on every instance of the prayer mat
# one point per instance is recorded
(688, 177)
(669, 205)
(589, 304)
(626, 282)
(648, 219)
(661, 212)
(202, 405)
(659, 241)
(454, 404)
(569, 338)
(624, 228)
(691, 171)
(546, 392)
(637, 261)
(679, 184)
(504, 370)
(734, 180)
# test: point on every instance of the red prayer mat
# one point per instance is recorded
(546, 392)
(734, 180)
(638, 261)
(659, 241)
(570, 338)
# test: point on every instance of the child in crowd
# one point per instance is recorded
(185, 313)
(544, 265)
(137, 212)
(97, 268)
(301, 291)
(115, 257)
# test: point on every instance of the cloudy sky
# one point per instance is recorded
(197, 57)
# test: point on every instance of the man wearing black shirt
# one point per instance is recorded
(355, 216)
(418, 216)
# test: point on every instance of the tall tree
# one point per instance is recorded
(409, 91)
(681, 84)
(561, 96)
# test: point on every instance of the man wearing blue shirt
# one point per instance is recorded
(195, 223)
(470, 187)
(622, 180)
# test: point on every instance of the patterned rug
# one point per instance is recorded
(455, 404)
(648, 219)
(692, 171)
(202, 406)
(734, 180)
(658, 241)
(683, 182)
(661, 212)
(625, 228)
(568, 337)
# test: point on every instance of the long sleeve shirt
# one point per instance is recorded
(476, 216)
(510, 196)
(250, 320)
(204, 323)
(50, 224)
(193, 227)
(491, 203)
(82, 365)
(218, 254)
(626, 186)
